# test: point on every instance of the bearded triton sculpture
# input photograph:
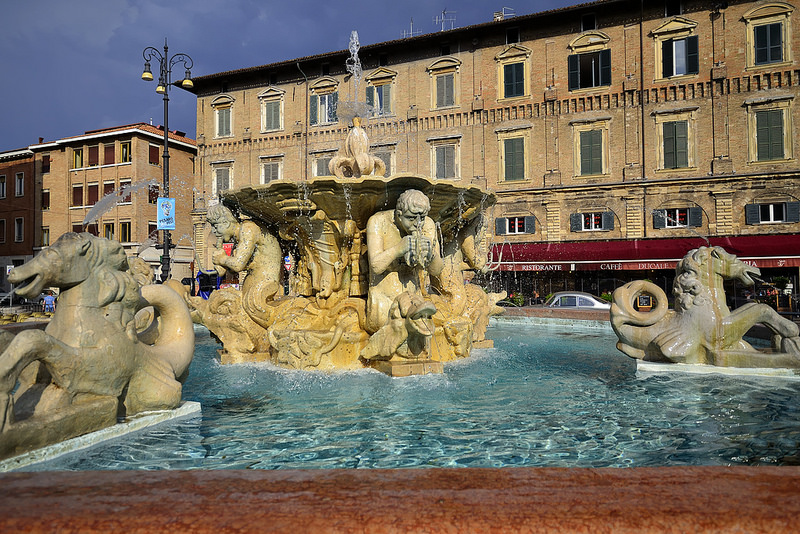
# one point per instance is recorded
(90, 365)
(701, 329)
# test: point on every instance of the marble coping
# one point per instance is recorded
(660, 499)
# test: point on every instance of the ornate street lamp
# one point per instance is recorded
(164, 83)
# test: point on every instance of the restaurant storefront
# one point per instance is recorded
(602, 266)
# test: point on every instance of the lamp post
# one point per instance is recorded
(164, 82)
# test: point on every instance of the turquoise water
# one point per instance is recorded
(541, 397)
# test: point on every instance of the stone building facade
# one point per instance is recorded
(617, 134)
(17, 212)
(107, 181)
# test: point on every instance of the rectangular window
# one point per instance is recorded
(321, 165)
(2, 230)
(125, 152)
(77, 195)
(323, 108)
(592, 221)
(592, 69)
(108, 188)
(270, 171)
(125, 232)
(672, 8)
(379, 99)
(108, 230)
(513, 80)
(591, 152)
(769, 135)
(2, 186)
(223, 121)
(19, 229)
(272, 115)
(152, 231)
(515, 225)
(152, 194)
(386, 157)
(19, 184)
(125, 191)
(445, 90)
(153, 155)
(514, 158)
(77, 228)
(680, 56)
(445, 161)
(46, 163)
(92, 190)
(768, 43)
(45, 236)
(222, 179)
(776, 212)
(94, 156)
(676, 145)
(108, 154)
(92, 229)
(77, 158)
(45, 199)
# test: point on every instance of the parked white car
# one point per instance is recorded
(576, 299)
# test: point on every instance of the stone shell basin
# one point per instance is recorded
(358, 199)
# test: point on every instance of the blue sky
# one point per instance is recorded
(74, 66)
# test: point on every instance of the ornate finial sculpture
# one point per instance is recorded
(701, 329)
(356, 161)
(90, 364)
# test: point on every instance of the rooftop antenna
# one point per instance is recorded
(411, 32)
(503, 14)
(447, 17)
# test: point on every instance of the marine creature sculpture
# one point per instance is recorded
(89, 366)
(701, 329)
(356, 161)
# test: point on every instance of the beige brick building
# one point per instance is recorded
(616, 134)
(113, 177)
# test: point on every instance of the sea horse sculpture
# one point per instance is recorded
(89, 365)
(701, 329)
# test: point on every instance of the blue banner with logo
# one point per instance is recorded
(166, 214)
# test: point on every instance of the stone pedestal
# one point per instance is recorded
(408, 367)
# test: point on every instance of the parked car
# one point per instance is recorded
(576, 299)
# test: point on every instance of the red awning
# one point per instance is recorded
(641, 254)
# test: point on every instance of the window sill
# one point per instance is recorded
(678, 78)
(686, 170)
(765, 66)
(771, 161)
(588, 90)
(445, 108)
(592, 176)
(274, 130)
(509, 99)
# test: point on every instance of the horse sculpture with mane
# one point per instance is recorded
(701, 329)
(89, 365)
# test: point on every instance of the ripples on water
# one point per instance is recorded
(539, 398)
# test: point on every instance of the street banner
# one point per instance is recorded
(166, 213)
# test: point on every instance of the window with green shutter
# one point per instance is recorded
(591, 152)
(513, 80)
(514, 158)
(768, 43)
(272, 115)
(769, 135)
(445, 90)
(676, 144)
(445, 161)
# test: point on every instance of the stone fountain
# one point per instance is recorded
(380, 276)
